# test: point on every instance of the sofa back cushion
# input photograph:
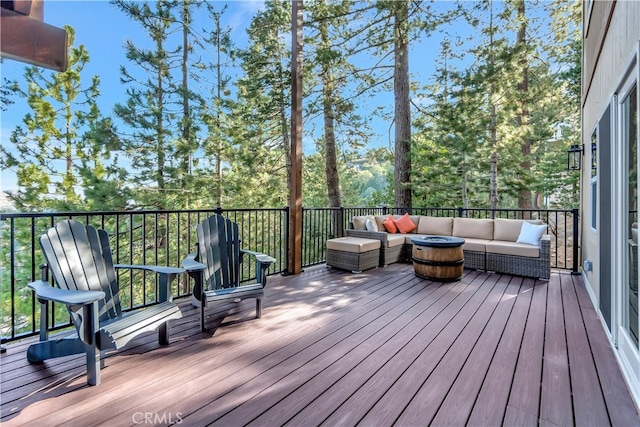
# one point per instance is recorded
(508, 230)
(360, 222)
(379, 220)
(435, 225)
(473, 228)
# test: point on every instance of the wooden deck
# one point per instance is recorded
(334, 348)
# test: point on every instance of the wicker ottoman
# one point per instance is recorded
(353, 253)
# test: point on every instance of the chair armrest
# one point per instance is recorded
(155, 268)
(44, 291)
(190, 264)
(263, 262)
(260, 257)
(165, 277)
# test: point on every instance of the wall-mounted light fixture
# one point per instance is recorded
(574, 157)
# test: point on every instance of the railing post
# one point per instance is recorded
(218, 210)
(459, 212)
(384, 210)
(576, 241)
(286, 271)
(340, 225)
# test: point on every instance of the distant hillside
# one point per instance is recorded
(6, 204)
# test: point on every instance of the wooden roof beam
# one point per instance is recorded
(24, 37)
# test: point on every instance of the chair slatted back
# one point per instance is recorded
(79, 258)
(219, 249)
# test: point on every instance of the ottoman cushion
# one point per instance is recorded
(353, 244)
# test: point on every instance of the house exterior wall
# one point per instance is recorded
(611, 36)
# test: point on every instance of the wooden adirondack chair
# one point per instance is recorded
(216, 267)
(79, 259)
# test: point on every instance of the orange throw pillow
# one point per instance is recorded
(390, 225)
(405, 224)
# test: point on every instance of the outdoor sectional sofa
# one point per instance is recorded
(490, 244)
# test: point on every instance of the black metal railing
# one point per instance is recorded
(324, 223)
(166, 237)
(136, 237)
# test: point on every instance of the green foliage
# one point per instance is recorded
(192, 125)
(453, 147)
(60, 144)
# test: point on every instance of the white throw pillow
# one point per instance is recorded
(371, 225)
(530, 234)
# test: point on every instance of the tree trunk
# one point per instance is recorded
(160, 134)
(493, 173)
(331, 161)
(465, 195)
(288, 141)
(402, 107)
(524, 195)
(186, 118)
(218, 141)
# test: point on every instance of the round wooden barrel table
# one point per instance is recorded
(438, 257)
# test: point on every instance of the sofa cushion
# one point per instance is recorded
(408, 237)
(477, 245)
(394, 240)
(531, 234)
(379, 220)
(405, 224)
(512, 248)
(371, 225)
(353, 244)
(390, 225)
(473, 228)
(509, 229)
(435, 225)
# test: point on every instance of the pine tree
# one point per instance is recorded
(218, 109)
(59, 140)
(150, 145)
(259, 168)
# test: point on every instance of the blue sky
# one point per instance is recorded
(103, 29)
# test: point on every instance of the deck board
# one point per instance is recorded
(459, 402)
(439, 382)
(490, 405)
(556, 406)
(279, 404)
(590, 408)
(336, 348)
(524, 398)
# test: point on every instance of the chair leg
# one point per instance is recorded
(163, 333)
(203, 305)
(258, 308)
(94, 361)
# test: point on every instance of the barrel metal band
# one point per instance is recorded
(438, 263)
